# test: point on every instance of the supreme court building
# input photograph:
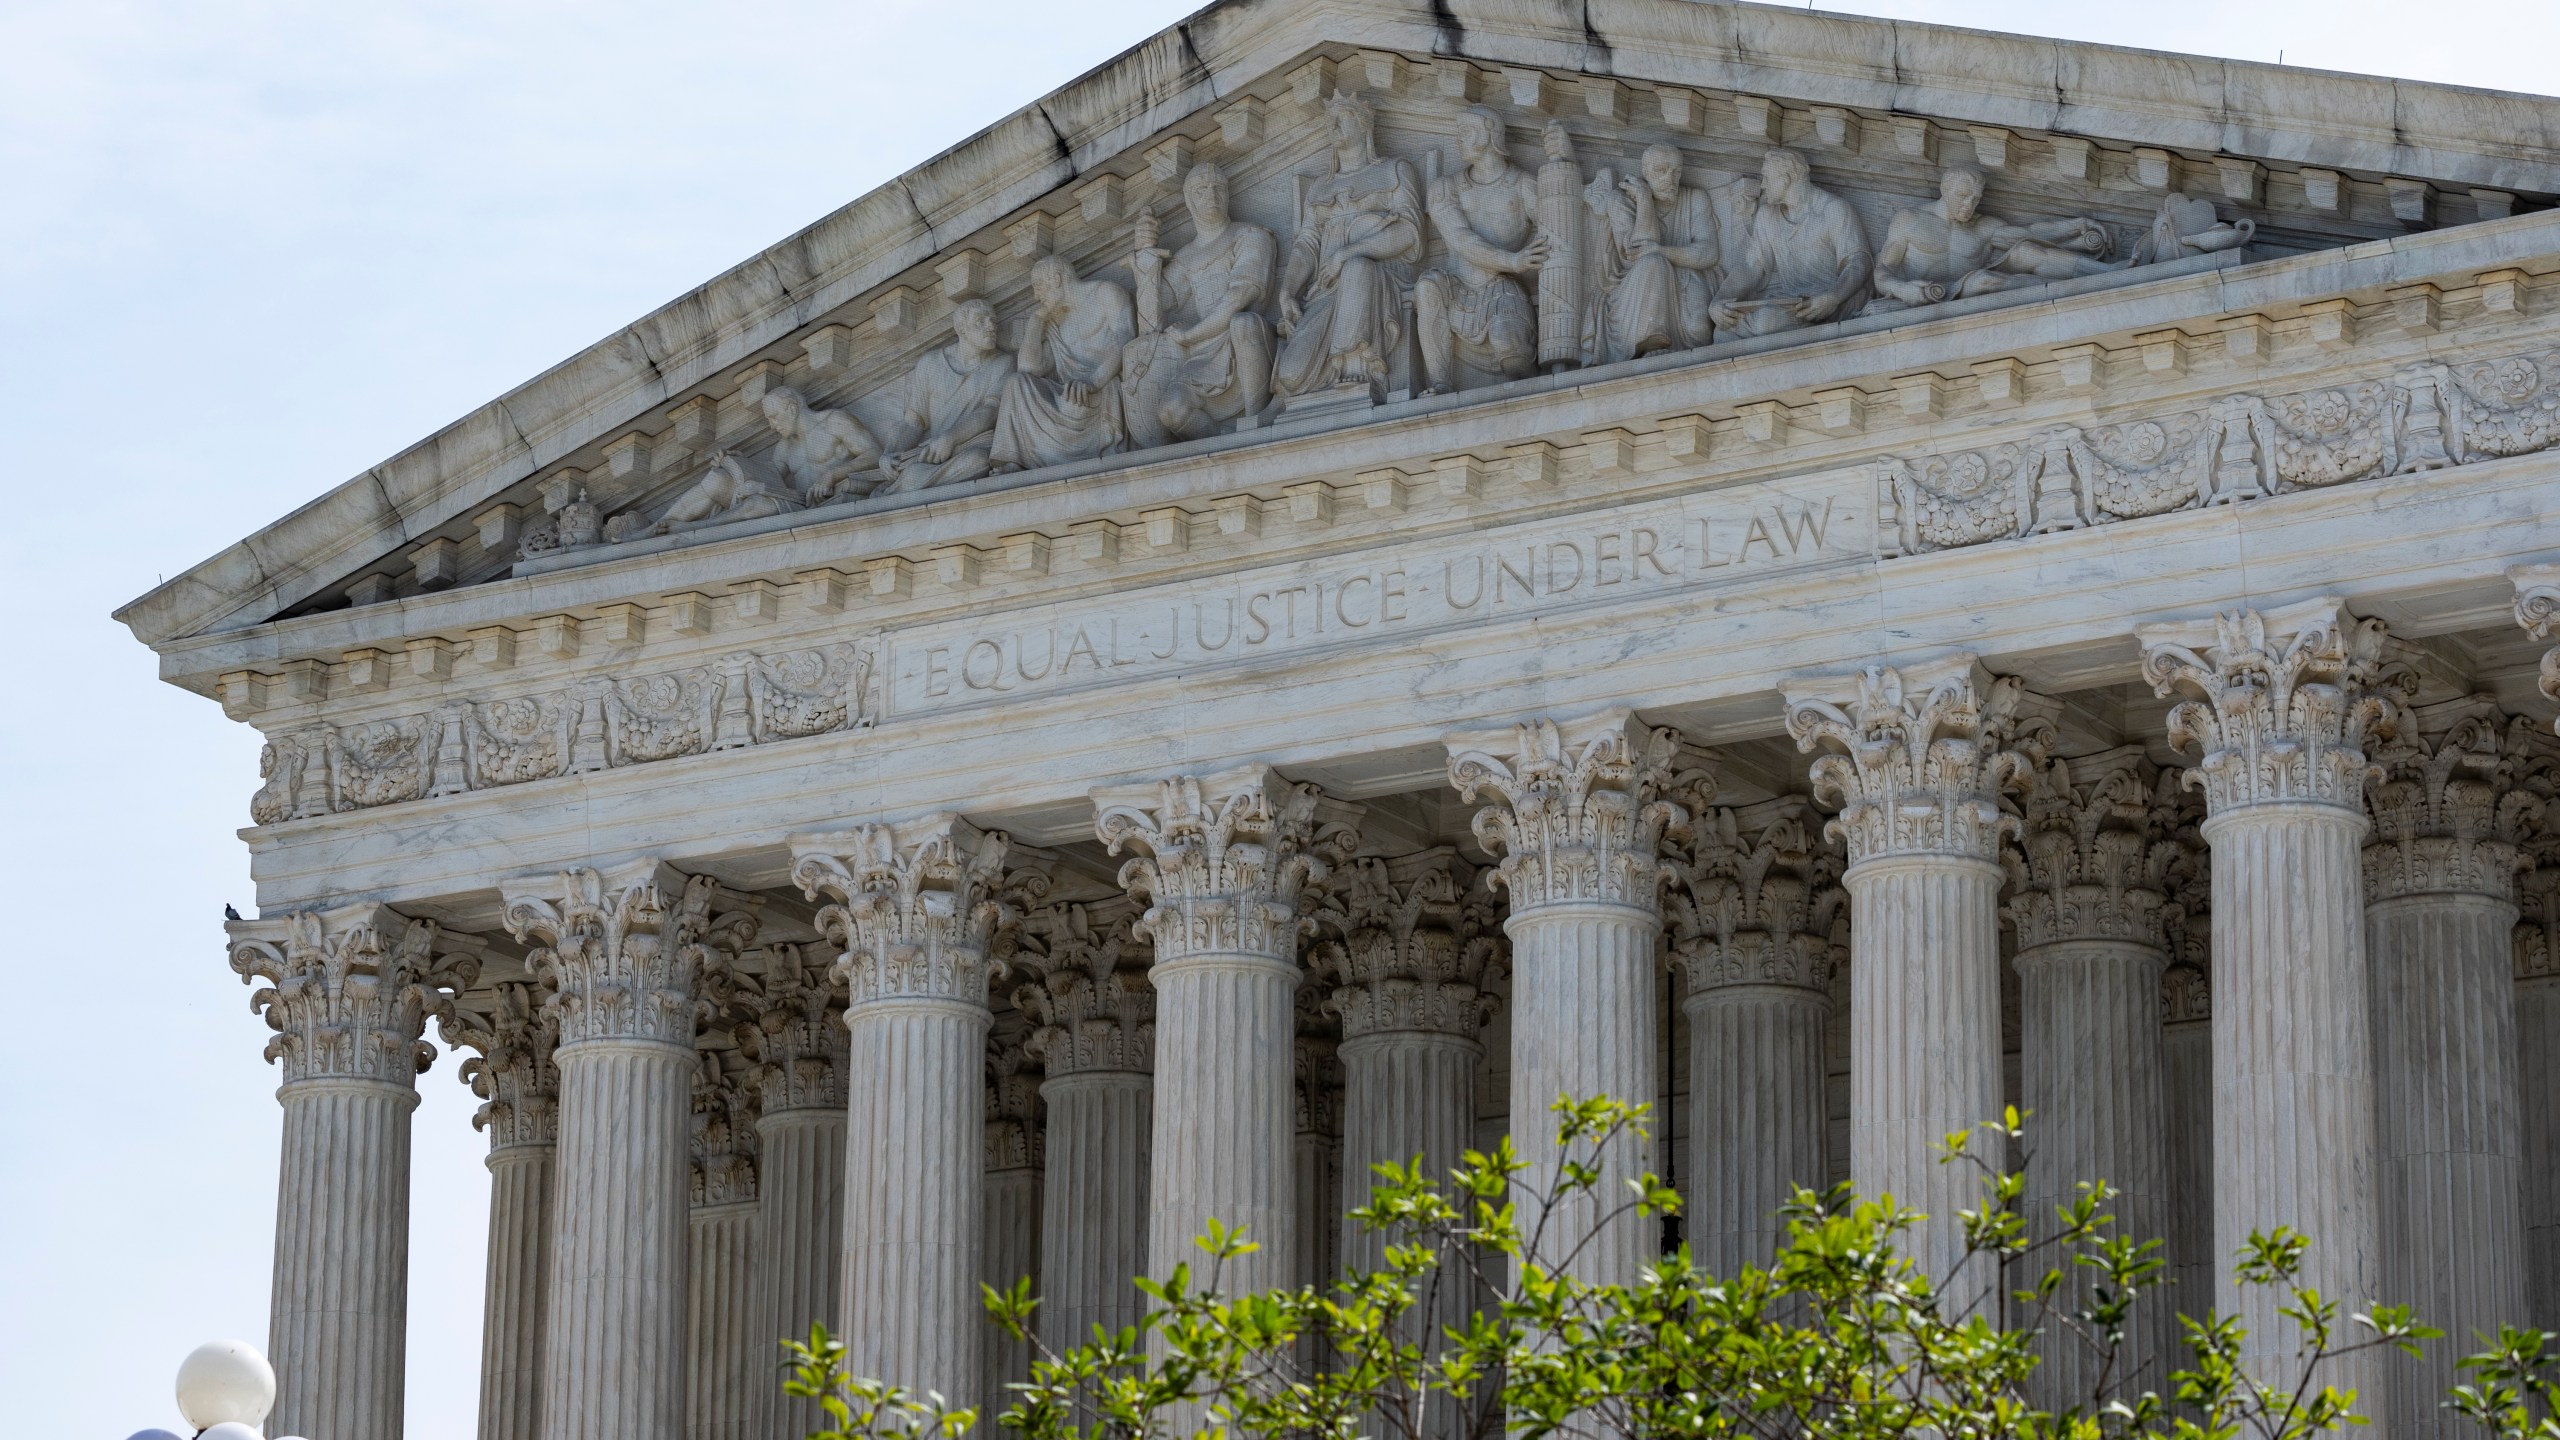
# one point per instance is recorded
(1371, 562)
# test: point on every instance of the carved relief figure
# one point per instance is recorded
(1658, 264)
(1202, 358)
(1341, 301)
(1949, 249)
(2187, 226)
(949, 406)
(1473, 319)
(1062, 401)
(818, 457)
(1807, 258)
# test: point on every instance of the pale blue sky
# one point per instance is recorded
(248, 249)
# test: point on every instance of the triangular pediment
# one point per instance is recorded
(845, 311)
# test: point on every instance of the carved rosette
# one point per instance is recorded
(515, 1074)
(2281, 706)
(1753, 897)
(2091, 862)
(1922, 761)
(1222, 861)
(1408, 944)
(796, 1035)
(920, 910)
(349, 990)
(1088, 999)
(2449, 810)
(1579, 809)
(628, 952)
(1016, 1137)
(723, 1144)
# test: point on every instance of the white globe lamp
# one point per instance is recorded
(231, 1430)
(226, 1383)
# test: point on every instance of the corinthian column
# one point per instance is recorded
(1220, 863)
(348, 993)
(518, 1083)
(914, 908)
(728, 1372)
(1011, 1248)
(1095, 1039)
(628, 950)
(2087, 904)
(1921, 762)
(1576, 824)
(797, 1040)
(2279, 707)
(2186, 1065)
(1758, 925)
(2537, 973)
(2440, 916)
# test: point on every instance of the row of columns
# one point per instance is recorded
(2353, 864)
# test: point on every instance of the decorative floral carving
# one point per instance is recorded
(2281, 705)
(2090, 863)
(1222, 860)
(627, 951)
(1578, 814)
(2507, 406)
(796, 1035)
(1016, 1138)
(723, 1148)
(1753, 897)
(2328, 437)
(348, 990)
(1320, 1082)
(2146, 467)
(1088, 999)
(2448, 809)
(1405, 950)
(2537, 932)
(2538, 611)
(1968, 498)
(2186, 914)
(917, 909)
(515, 1074)
(1921, 768)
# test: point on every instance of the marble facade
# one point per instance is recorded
(1365, 564)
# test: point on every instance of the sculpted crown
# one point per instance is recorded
(922, 909)
(2457, 793)
(796, 1033)
(2281, 704)
(1411, 940)
(724, 1129)
(1921, 760)
(1580, 812)
(348, 990)
(1088, 997)
(514, 1074)
(1222, 860)
(1753, 897)
(2092, 859)
(1016, 1139)
(627, 950)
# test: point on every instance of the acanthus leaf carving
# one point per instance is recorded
(2455, 797)
(2281, 705)
(723, 1142)
(2090, 862)
(1922, 760)
(1579, 809)
(1222, 861)
(1753, 897)
(922, 909)
(796, 1033)
(348, 991)
(1408, 945)
(1015, 1137)
(630, 952)
(515, 1073)
(1086, 990)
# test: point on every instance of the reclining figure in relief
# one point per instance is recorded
(1804, 258)
(2187, 226)
(1472, 318)
(949, 407)
(1342, 295)
(1949, 249)
(821, 455)
(1202, 359)
(1062, 401)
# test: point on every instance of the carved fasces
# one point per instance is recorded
(1579, 808)
(1753, 897)
(2091, 860)
(628, 951)
(515, 1073)
(922, 909)
(2457, 794)
(1222, 861)
(2282, 706)
(1407, 945)
(1920, 760)
(796, 1034)
(723, 1139)
(1086, 991)
(348, 990)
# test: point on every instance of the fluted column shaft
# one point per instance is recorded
(2538, 1076)
(914, 1202)
(1011, 1252)
(1584, 1010)
(800, 1240)
(1759, 1117)
(514, 1298)
(730, 1373)
(2448, 1132)
(2194, 1254)
(1407, 1095)
(1226, 1026)
(338, 1329)
(614, 1365)
(2093, 1080)
(1093, 1206)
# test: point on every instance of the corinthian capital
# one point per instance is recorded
(2093, 858)
(348, 990)
(1753, 897)
(1578, 812)
(2281, 706)
(1088, 999)
(628, 950)
(1922, 760)
(794, 1032)
(918, 909)
(516, 1032)
(723, 1148)
(2537, 932)
(1410, 942)
(2459, 791)
(1016, 1139)
(1222, 860)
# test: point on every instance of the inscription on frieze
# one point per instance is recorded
(1729, 538)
